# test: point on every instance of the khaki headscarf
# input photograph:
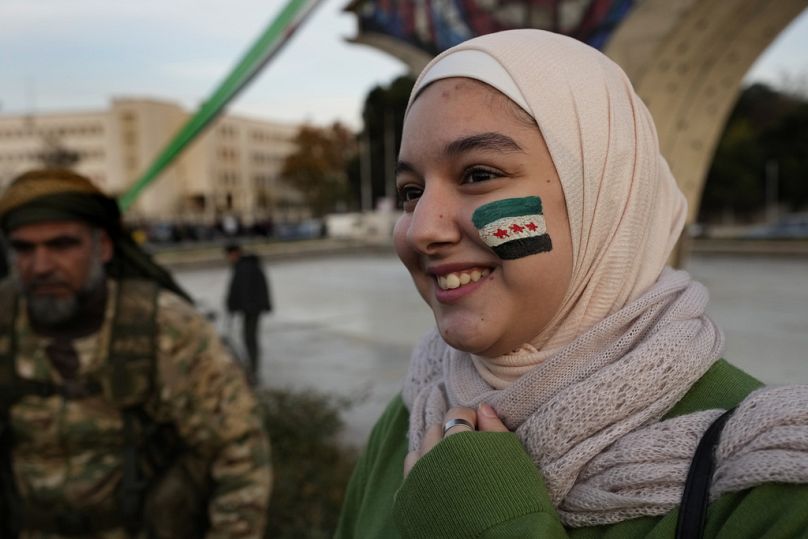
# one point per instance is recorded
(625, 209)
(58, 194)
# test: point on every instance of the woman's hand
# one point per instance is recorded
(484, 419)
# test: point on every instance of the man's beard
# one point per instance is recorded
(52, 312)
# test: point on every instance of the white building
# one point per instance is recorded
(231, 169)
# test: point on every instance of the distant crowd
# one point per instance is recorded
(169, 232)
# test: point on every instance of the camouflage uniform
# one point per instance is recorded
(68, 452)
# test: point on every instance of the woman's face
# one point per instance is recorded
(465, 144)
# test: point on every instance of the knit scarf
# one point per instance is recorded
(589, 416)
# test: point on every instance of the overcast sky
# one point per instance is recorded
(77, 54)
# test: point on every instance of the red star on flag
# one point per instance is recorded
(501, 233)
(516, 228)
(531, 226)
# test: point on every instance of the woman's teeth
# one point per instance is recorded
(456, 280)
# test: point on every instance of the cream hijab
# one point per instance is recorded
(631, 337)
(625, 209)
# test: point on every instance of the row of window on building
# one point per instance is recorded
(260, 181)
(261, 158)
(225, 154)
(258, 158)
(20, 157)
(62, 131)
(229, 131)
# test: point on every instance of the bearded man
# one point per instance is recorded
(121, 413)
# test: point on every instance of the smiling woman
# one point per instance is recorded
(461, 153)
(586, 370)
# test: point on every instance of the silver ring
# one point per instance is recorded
(456, 422)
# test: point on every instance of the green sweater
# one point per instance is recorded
(485, 485)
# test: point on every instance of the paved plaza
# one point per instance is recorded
(345, 324)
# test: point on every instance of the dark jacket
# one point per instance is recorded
(249, 290)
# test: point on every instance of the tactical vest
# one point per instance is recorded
(126, 382)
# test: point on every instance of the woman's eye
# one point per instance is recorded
(409, 193)
(475, 175)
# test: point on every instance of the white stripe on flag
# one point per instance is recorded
(492, 235)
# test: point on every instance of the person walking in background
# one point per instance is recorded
(249, 295)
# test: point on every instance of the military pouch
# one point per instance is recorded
(176, 504)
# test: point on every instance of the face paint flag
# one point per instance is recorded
(513, 227)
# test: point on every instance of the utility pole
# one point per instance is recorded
(389, 158)
(772, 173)
(365, 172)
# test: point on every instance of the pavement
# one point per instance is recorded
(346, 320)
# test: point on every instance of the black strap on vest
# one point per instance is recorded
(60, 521)
(696, 495)
(131, 361)
(9, 496)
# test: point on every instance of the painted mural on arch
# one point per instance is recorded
(435, 25)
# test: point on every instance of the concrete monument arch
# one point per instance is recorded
(686, 59)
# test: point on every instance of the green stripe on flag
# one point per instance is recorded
(264, 49)
(509, 207)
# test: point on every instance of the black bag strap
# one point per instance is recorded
(696, 495)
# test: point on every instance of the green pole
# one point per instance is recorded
(263, 50)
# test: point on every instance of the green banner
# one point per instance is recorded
(263, 50)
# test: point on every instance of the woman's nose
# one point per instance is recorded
(435, 223)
